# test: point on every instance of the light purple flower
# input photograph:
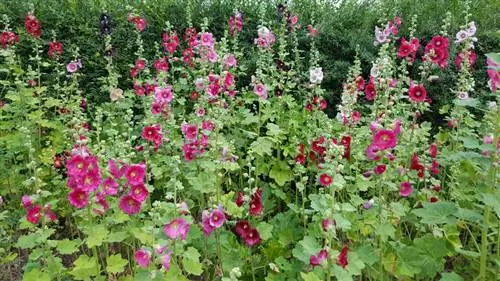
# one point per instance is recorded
(177, 228)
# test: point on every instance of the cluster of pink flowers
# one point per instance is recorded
(139, 66)
(170, 41)
(210, 221)
(206, 48)
(322, 256)
(143, 257)
(247, 232)
(494, 74)
(35, 212)
(8, 38)
(153, 134)
(265, 38)
(437, 51)
(235, 24)
(218, 84)
(370, 90)
(390, 29)
(195, 143)
(471, 56)
(191, 38)
(140, 23)
(383, 139)
(319, 102)
(162, 99)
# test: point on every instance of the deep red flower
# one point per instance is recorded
(8, 38)
(242, 228)
(460, 57)
(433, 150)
(240, 199)
(55, 48)
(380, 169)
(370, 91)
(325, 179)
(417, 93)
(252, 238)
(342, 257)
(256, 206)
(32, 25)
(34, 214)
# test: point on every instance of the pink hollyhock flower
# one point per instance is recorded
(417, 93)
(380, 169)
(460, 57)
(213, 56)
(373, 152)
(240, 199)
(396, 128)
(217, 218)
(256, 206)
(76, 165)
(207, 125)
(150, 133)
(143, 258)
(34, 214)
(342, 257)
(435, 167)
(156, 108)
(161, 65)
(384, 139)
(207, 39)
(200, 112)
(328, 224)
(129, 205)
(494, 74)
(190, 131)
(204, 140)
(100, 199)
(139, 192)
(91, 181)
(229, 60)
(32, 25)
(165, 260)
(183, 208)
(49, 213)
(78, 198)
(311, 31)
(260, 91)
(8, 38)
(72, 67)
(488, 139)
(140, 64)
(252, 237)
(405, 189)
(164, 95)
(325, 179)
(315, 260)
(205, 223)
(213, 89)
(140, 24)
(135, 174)
(27, 201)
(113, 169)
(177, 228)
(55, 48)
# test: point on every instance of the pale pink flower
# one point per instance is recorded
(177, 228)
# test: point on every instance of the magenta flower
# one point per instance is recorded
(217, 217)
(205, 223)
(72, 67)
(328, 224)
(135, 174)
(143, 258)
(164, 95)
(318, 259)
(110, 186)
(165, 260)
(207, 125)
(190, 131)
(139, 192)
(91, 181)
(207, 39)
(113, 169)
(385, 139)
(405, 189)
(27, 201)
(78, 198)
(76, 165)
(380, 169)
(252, 237)
(34, 214)
(373, 152)
(129, 205)
(177, 228)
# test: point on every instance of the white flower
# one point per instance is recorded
(374, 72)
(116, 94)
(463, 95)
(471, 29)
(492, 104)
(461, 36)
(263, 31)
(380, 36)
(316, 75)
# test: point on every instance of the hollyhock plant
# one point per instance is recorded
(129, 205)
(78, 198)
(135, 174)
(342, 257)
(177, 228)
(370, 91)
(384, 139)
(32, 25)
(406, 189)
(316, 260)
(166, 260)
(205, 223)
(139, 192)
(437, 51)
(260, 90)
(8, 38)
(34, 214)
(256, 206)
(143, 258)
(325, 180)
(460, 57)
(55, 49)
(252, 237)
(417, 93)
(26, 201)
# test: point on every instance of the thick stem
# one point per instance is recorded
(484, 245)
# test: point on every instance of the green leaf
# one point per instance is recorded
(36, 275)
(31, 240)
(310, 276)
(262, 146)
(281, 173)
(191, 261)
(274, 130)
(118, 236)
(492, 200)
(386, 230)
(450, 276)
(143, 236)
(85, 267)
(438, 212)
(115, 264)
(96, 235)
(265, 230)
(67, 246)
(305, 248)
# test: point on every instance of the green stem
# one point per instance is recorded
(484, 245)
